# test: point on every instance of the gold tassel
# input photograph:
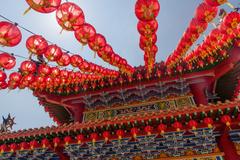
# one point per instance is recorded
(26, 11)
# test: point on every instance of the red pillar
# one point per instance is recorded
(228, 147)
(198, 91)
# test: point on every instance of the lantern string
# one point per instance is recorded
(29, 31)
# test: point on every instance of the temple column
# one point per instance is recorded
(227, 146)
(76, 111)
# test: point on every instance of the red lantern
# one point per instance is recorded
(147, 28)
(134, 132)
(147, 10)
(27, 67)
(55, 71)
(76, 60)
(33, 144)
(13, 147)
(3, 76)
(23, 146)
(106, 135)
(85, 33)
(64, 60)
(120, 133)
(15, 77)
(70, 16)
(44, 70)
(232, 20)
(192, 124)
(3, 148)
(148, 130)
(94, 137)
(3, 85)
(45, 143)
(67, 140)
(215, 3)
(56, 141)
(97, 42)
(208, 121)
(226, 119)
(10, 34)
(162, 128)
(146, 42)
(205, 12)
(177, 125)
(7, 61)
(43, 6)
(80, 138)
(36, 44)
(198, 26)
(53, 53)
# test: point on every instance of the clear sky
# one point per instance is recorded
(115, 19)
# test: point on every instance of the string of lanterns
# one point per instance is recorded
(204, 14)
(71, 18)
(147, 11)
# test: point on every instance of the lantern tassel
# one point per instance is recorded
(95, 54)
(230, 5)
(26, 11)
(61, 31)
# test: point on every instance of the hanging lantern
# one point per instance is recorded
(232, 20)
(10, 34)
(28, 67)
(7, 61)
(192, 124)
(56, 141)
(45, 143)
(85, 33)
(216, 3)
(14, 77)
(105, 53)
(147, 10)
(3, 148)
(148, 130)
(134, 132)
(53, 53)
(67, 140)
(120, 134)
(76, 60)
(147, 28)
(106, 135)
(13, 147)
(80, 138)
(43, 6)
(205, 12)
(97, 42)
(64, 60)
(94, 137)
(208, 121)
(177, 125)
(44, 70)
(55, 71)
(198, 26)
(36, 44)
(70, 16)
(23, 146)
(161, 128)
(33, 144)
(3, 76)
(3, 85)
(146, 42)
(226, 119)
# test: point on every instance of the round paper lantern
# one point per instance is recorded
(53, 53)
(147, 10)
(93, 137)
(85, 33)
(44, 70)
(232, 20)
(7, 61)
(226, 119)
(147, 28)
(205, 12)
(120, 133)
(3, 76)
(192, 124)
(43, 6)
(45, 143)
(36, 44)
(208, 121)
(148, 130)
(198, 26)
(70, 16)
(177, 125)
(147, 41)
(97, 42)
(134, 132)
(215, 3)
(10, 34)
(64, 60)
(67, 140)
(56, 141)
(76, 60)
(105, 53)
(80, 138)
(28, 67)
(106, 135)
(3, 85)
(161, 128)
(15, 77)
(55, 71)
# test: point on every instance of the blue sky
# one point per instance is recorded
(115, 19)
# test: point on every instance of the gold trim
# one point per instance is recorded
(143, 103)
